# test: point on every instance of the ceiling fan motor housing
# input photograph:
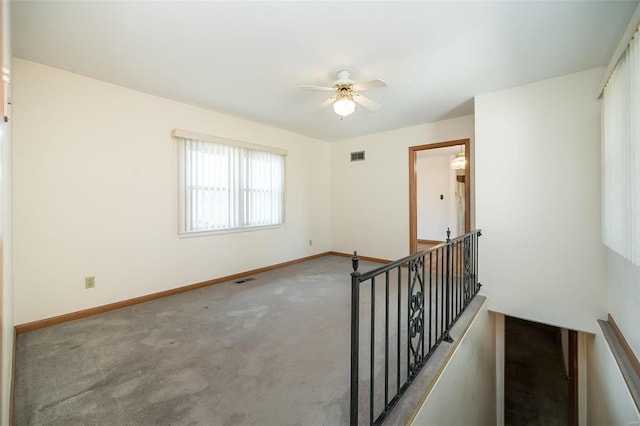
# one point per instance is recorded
(344, 77)
(344, 91)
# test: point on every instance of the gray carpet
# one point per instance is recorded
(272, 351)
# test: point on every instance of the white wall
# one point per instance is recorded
(95, 193)
(538, 201)
(435, 178)
(6, 356)
(608, 399)
(465, 392)
(370, 199)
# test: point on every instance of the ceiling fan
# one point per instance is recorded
(347, 94)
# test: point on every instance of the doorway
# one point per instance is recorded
(439, 195)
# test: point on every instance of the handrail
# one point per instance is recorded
(423, 315)
(387, 267)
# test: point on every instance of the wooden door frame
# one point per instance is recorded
(413, 184)
(574, 403)
(4, 113)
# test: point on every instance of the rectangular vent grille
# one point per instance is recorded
(357, 156)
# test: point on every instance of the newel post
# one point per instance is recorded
(355, 337)
(447, 284)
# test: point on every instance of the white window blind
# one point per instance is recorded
(621, 156)
(224, 186)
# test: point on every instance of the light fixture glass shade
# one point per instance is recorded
(459, 162)
(344, 107)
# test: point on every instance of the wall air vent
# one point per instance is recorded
(357, 156)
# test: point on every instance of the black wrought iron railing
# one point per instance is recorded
(422, 297)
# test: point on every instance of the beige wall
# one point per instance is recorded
(538, 201)
(95, 193)
(370, 199)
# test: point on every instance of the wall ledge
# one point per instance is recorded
(626, 359)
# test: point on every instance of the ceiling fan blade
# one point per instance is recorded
(366, 102)
(328, 102)
(324, 89)
(373, 84)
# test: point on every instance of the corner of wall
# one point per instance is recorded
(6, 244)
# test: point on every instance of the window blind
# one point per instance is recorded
(225, 187)
(621, 156)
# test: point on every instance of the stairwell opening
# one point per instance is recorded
(540, 374)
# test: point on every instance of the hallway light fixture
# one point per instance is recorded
(460, 162)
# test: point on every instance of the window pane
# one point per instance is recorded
(229, 187)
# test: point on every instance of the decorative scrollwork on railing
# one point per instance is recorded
(416, 316)
(468, 293)
(412, 315)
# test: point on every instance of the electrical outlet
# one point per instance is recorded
(89, 282)
(310, 242)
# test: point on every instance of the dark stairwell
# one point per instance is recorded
(536, 385)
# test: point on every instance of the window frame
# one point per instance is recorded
(182, 136)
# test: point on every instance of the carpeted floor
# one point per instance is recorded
(271, 351)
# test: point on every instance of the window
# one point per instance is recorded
(227, 185)
(621, 155)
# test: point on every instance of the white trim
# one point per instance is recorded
(185, 134)
(181, 189)
(632, 27)
(228, 231)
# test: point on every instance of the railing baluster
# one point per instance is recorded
(399, 334)
(477, 236)
(442, 291)
(386, 340)
(472, 249)
(457, 280)
(460, 277)
(355, 338)
(408, 320)
(430, 295)
(437, 316)
(454, 282)
(424, 300)
(373, 342)
(447, 284)
(472, 259)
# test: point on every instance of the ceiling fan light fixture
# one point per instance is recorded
(344, 107)
(459, 162)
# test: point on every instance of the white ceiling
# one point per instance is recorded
(248, 58)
